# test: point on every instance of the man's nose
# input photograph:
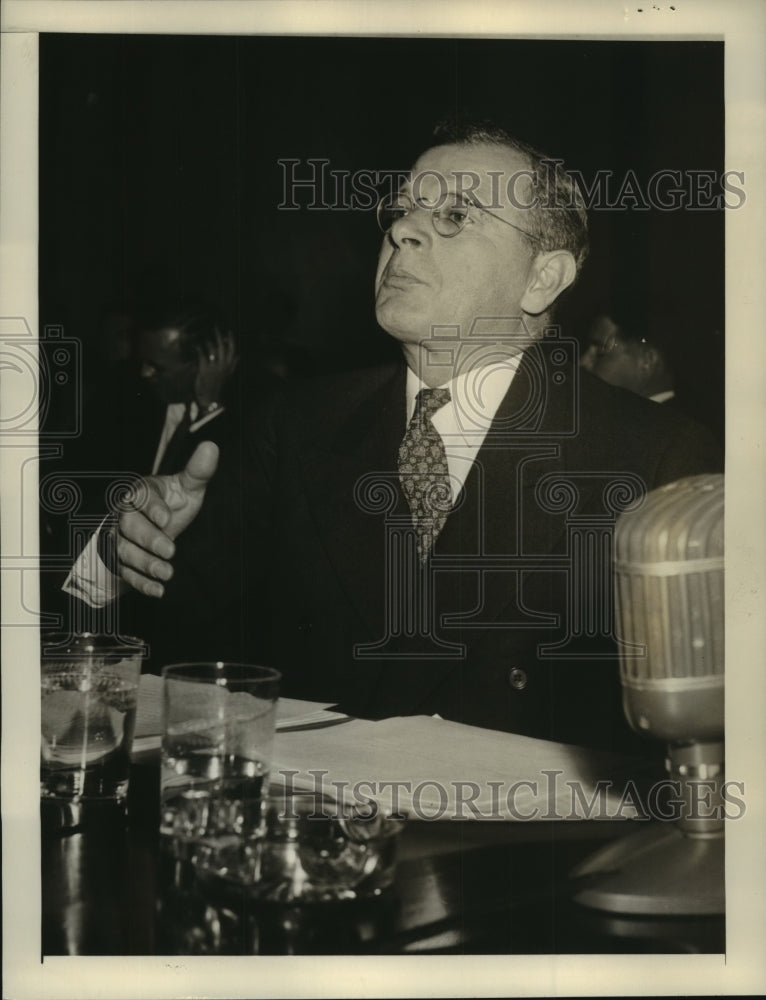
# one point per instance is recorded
(413, 229)
(147, 371)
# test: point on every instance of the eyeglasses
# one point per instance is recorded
(603, 347)
(449, 218)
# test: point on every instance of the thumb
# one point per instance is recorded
(200, 468)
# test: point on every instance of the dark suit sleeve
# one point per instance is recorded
(577, 698)
(620, 431)
(214, 607)
(691, 451)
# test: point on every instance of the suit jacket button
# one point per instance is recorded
(304, 627)
(517, 678)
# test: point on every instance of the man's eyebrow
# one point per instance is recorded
(441, 195)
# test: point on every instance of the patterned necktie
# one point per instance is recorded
(423, 470)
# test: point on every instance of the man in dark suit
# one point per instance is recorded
(176, 385)
(641, 342)
(433, 536)
(186, 362)
(630, 345)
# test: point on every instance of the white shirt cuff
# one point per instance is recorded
(89, 579)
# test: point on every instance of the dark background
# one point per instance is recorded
(158, 171)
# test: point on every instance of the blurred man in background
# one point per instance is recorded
(187, 359)
(176, 389)
(632, 352)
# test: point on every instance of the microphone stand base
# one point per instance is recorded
(657, 871)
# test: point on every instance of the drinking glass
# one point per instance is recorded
(217, 737)
(89, 690)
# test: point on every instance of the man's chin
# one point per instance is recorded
(406, 335)
(404, 325)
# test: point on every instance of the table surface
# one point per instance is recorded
(461, 887)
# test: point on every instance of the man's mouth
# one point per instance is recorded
(400, 278)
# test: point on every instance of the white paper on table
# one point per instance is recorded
(446, 764)
(433, 756)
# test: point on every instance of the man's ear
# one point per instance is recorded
(650, 359)
(550, 274)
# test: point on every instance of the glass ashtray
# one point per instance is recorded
(312, 849)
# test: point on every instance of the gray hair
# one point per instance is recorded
(558, 216)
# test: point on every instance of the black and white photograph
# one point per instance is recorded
(379, 385)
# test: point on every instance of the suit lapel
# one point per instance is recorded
(498, 518)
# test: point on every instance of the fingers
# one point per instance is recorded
(149, 500)
(149, 588)
(233, 356)
(145, 496)
(199, 469)
(226, 348)
(212, 354)
(137, 532)
(142, 570)
(142, 551)
(221, 343)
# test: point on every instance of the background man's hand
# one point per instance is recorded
(216, 363)
(160, 509)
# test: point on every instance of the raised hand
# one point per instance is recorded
(160, 508)
(216, 362)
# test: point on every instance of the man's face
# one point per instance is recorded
(426, 280)
(164, 367)
(610, 357)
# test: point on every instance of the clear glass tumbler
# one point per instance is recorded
(89, 691)
(217, 738)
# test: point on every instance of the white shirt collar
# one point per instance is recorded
(174, 414)
(463, 423)
(475, 397)
(662, 397)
